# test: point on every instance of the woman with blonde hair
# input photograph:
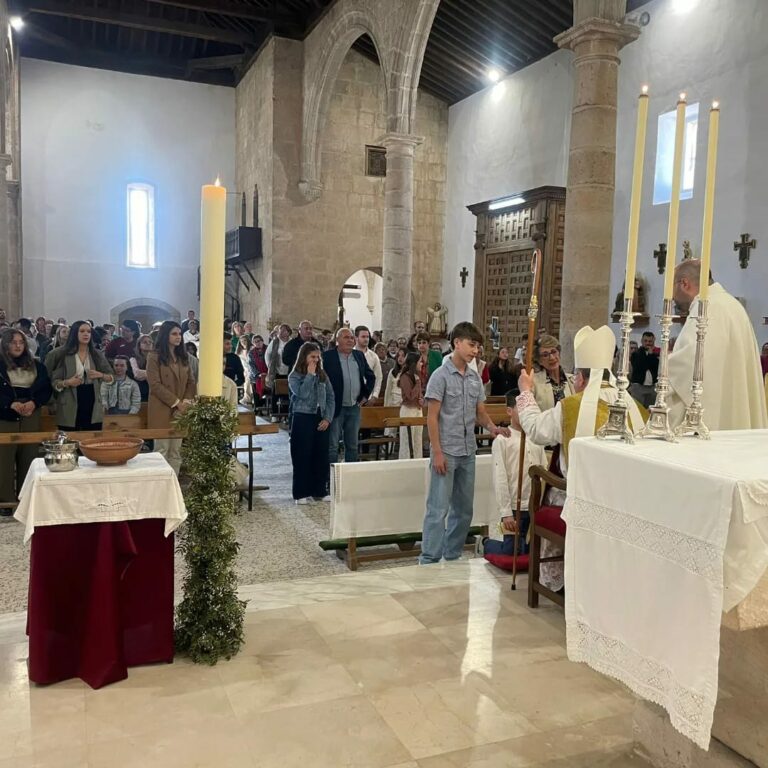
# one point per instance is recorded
(550, 382)
(171, 388)
(312, 408)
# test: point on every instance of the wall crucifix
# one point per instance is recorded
(463, 275)
(661, 257)
(744, 246)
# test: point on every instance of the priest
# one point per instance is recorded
(734, 394)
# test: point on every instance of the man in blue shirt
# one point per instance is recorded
(352, 380)
(455, 404)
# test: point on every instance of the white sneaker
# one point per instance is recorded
(326, 498)
(305, 500)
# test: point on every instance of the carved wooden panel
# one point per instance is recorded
(503, 253)
(510, 226)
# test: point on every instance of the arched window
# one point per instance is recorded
(141, 226)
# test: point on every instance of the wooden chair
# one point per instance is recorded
(279, 399)
(546, 523)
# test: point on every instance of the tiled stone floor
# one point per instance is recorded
(418, 667)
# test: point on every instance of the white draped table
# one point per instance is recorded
(662, 538)
(144, 487)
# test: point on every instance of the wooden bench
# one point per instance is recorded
(373, 417)
(129, 425)
(348, 549)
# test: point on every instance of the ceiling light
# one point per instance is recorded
(16, 22)
(505, 203)
(493, 75)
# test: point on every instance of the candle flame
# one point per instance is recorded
(217, 183)
(644, 90)
(715, 105)
(683, 95)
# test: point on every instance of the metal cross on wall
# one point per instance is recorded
(744, 246)
(463, 275)
(661, 257)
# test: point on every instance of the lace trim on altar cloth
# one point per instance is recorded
(690, 712)
(697, 556)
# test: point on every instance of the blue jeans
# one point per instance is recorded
(449, 510)
(346, 424)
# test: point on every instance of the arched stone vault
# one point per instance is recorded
(399, 30)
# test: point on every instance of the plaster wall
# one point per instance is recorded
(87, 133)
(507, 138)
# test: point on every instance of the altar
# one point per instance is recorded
(665, 543)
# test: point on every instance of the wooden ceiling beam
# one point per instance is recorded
(537, 40)
(521, 42)
(229, 8)
(139, 21)
(215, 62)
(515, 59)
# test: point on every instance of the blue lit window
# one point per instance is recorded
(141, 226)
(665, 150)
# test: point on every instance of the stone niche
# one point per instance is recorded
(310, 248)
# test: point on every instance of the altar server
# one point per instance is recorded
(733, 397)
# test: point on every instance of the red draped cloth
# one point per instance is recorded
(100, 600)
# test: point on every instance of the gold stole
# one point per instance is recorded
(570, 406)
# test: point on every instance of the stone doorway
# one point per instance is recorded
(145, 311)
(362, 304)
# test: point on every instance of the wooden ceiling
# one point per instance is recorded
(214, 41)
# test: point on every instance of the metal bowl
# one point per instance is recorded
(60, 456)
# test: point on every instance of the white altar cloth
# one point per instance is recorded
(662, 538)
(373, 498)
(145, 487)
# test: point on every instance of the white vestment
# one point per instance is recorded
(506, 465)
(734, 395)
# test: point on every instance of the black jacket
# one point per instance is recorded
(502, 381)
(40, 391)
(332, 366)
(642, 362)
(291, 350)
(233, 368)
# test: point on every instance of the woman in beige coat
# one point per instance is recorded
(171, 388)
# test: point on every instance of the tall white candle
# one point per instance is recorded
(674, 204)
(709, 200)
(212, 236)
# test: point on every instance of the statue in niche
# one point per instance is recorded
(687, 252)
(437, 324)
(639, 304)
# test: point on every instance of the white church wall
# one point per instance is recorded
(86, 134)
(365, 310)
(507, 138)
(716, 50)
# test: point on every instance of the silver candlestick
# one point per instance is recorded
(658, 421)
(693, 422)
(618, 422)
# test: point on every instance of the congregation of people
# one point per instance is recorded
(83, 371)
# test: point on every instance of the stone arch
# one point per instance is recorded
(171, 312)
(319, 79)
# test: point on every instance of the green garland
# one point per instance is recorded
(210, 617)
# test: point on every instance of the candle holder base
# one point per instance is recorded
(657, 425)
(617, 424)
(693, 424)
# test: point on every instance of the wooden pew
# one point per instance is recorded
(136, 426)
(373, 417)
(348, 549)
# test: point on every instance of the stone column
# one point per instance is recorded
(10, 302)
(397, 265)
(596, 38)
